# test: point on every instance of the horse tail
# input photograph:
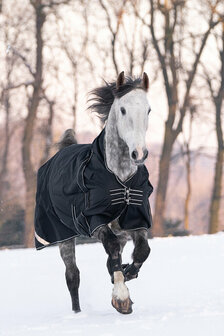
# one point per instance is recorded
(67, 139)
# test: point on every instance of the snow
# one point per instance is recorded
(180, 291)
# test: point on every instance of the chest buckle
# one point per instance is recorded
(127, 196)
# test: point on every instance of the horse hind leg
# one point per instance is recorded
(67, 251)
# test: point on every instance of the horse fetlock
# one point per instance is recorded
(131, 271)
(114, 264)
(120, 290)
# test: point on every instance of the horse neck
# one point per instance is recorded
(117, 152)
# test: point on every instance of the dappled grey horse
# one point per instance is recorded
(102, 189)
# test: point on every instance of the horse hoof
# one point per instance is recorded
(77, 311)
(123, 307)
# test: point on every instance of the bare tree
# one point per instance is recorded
(6, 87)
(216, 86)
(29, 173)
(169, 50)
(40, 9)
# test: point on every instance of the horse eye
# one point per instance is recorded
(123, 111)
(149, 110)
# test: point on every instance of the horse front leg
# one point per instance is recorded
(140, 254)
(120, 295)
(67, 251)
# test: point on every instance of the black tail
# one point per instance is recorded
(67, 139)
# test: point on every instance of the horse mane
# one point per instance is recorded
(103, 97)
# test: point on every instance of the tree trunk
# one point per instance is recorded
(29, 209)
(164, 167)
(48, 134)
(188, 196)
(216, 194)
(217, 187)
(4, 159)
(29, 173)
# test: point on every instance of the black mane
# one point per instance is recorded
(103, 97)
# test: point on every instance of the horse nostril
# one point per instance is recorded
(146, 152)
(134, 155)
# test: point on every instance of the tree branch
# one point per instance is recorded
(16, 86)
(192, 75)
(23, 58)
(160, 56)
(114, 33)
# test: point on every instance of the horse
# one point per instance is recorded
(117, 160)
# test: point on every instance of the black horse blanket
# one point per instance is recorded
(77, 193)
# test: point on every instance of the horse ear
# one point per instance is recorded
(120, 80)
(145, 81)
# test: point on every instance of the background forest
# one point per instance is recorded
(52, 53)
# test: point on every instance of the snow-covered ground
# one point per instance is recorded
(180, 291)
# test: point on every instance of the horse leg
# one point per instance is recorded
(67, 251)
(140, 254)
(120, 295)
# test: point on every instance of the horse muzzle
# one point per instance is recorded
(139, 156)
